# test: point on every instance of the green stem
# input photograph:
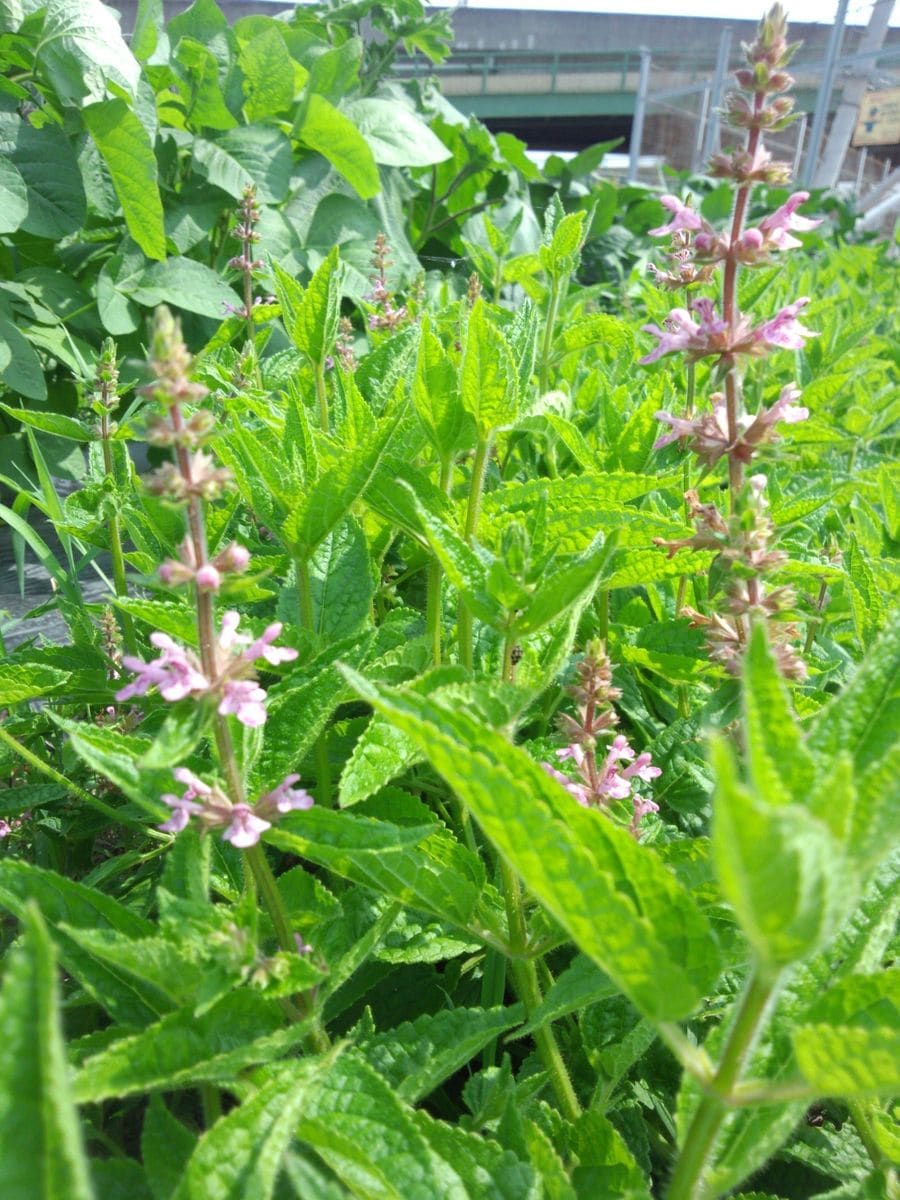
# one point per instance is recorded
(473, 511)
(308, 621)
(322, 396)
(528, 988)
(433, 610)
(120, 581)
(508, 669)
(73, 789)
(699, 1143)
(549, 329)
(860, 1118)
(212, 1104)
(603, 615)
(493, 989)
(304, 595)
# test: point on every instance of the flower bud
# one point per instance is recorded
(208, 578)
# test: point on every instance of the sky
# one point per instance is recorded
(751, 10)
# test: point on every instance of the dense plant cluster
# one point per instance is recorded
(478, 775)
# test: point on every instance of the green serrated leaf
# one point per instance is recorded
(40, 1140)
(488, 378)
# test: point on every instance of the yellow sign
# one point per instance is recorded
(878, 123)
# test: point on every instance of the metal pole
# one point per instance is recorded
(823, 100)
(640, 111)
(801, 134)
(861, 168)
(697, 160)
(828, 171)
(711, 140)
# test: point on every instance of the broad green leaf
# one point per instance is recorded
(564, 587)
(251, 154)
(312, 319)
(268, 74)
(463, 568)
(435, 393)
(864, 717)
(62, 901)
(485, 1169)
(334, 135)
(241, 1155)
(342, 585)
(598, 329)
(182, 1049)
(414, 1058)
(21, 370)
(46, 161)
(422, 866)
(40, 1140)
(299, 708)
(780, 766)
(119, 757)
(849, 1041)
(49, 422)
(396, 136)
(606, 1166)
(330, 497)
(357, 1125)
(781, 868)
(13, 197)
(25, 682)
(128, 153)
(655, 945)
(185, 284)
(488, 379)
(82, 52)
(204, 101)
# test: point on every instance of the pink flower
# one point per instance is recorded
(619, 749)
(286, 798)
(642, 768)
(684, 333)
(208, 578)
(243, 698)
(245, 827)
(784, 331)
(577, 790)
(262, 647)
(195, 786)
(176, 672)
(182, 810)
(684, 218)
(681, 427)
(5, 829)
(575, 752)
(775, 228)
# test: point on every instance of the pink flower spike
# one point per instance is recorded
(244, 698)
(577, 790)
(681, 329)
(245, 827)
(5, 829)
(684, 218)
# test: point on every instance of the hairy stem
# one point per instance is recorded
(322, 396)
(435, 577)
(120, 582)
(526, 981)
(549, 329)
(699, 1143)
(473, 511)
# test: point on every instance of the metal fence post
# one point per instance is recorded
(823, 100)
(640, 110)
(711, 140)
